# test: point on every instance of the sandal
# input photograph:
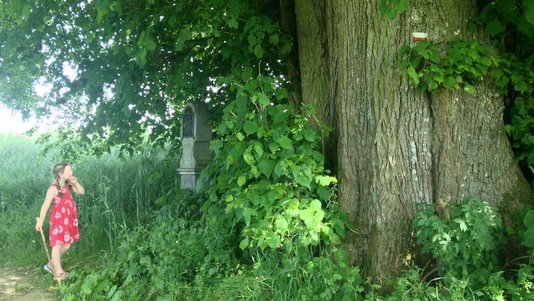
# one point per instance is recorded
(63, 276)
(48, 268)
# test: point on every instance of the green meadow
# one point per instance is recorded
(120, 194)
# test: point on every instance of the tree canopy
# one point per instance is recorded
(135, 64)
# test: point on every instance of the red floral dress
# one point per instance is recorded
(63, 219)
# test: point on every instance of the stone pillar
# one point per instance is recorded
(196, 136)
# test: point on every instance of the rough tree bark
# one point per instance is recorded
(398, 146)
(314, 74)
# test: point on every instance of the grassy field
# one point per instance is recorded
(119, 193)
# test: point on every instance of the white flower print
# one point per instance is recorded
(75, 222)
(66, 222)
(66, 238)
(55, 232)
(60, 229)
(58, 215)
(63, 210)
(57, 200)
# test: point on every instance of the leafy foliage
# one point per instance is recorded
(179, 258)
(392, 8)
(467, 243)
(268, 176)
(133, 65)
(528, 234)
(466, 248)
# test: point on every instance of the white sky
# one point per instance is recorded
(11, 122)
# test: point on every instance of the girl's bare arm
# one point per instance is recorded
(76, 187)
(50, 194)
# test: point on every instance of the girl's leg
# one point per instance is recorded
(56, 260)
(64, 249)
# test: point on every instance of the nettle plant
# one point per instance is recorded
(465, 244)
(267, 177)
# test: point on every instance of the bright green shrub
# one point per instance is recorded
(465, 244)
(268, 176)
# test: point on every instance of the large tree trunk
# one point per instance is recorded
(314, 74)
(398, 146)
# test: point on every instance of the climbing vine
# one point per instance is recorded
(507, 61)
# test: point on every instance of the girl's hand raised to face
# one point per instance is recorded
(73, 180)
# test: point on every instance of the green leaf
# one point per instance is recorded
(241, 180)
(315, 205)
(266, 166)
(249, 158)
(273, 196)
(450, 83)
(244, 244)
(273, 39)
(325, 180)
(272, 240)
(263, 99)
(279, 168)
(248, 213)
(502, 81)
(281, 115)
(494, 27)
(402, 5)
(258, 149)
(102, 8)
(461, 222)
(528, 238)
(324, 193)
(281, 225)
(232, 23)
(273, 147)
(470, 89)
(26, 10)
(250, 127)
(303, 176)
(306, 215)
(413, 75)
(258, 51)
(285, 142)
(528, 221)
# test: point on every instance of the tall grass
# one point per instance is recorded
(119, 193)
(23, 182)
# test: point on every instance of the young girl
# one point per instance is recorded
(63, 218)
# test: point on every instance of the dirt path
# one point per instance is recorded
(16, 284)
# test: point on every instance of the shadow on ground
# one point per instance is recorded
(18, 284)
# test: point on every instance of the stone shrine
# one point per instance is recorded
(196, 136)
